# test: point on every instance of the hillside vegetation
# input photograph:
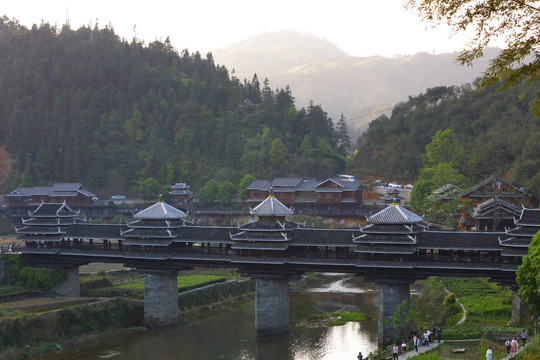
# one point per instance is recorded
(498, 130)
(84, 105)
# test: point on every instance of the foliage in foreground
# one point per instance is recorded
(528, 276)
(34, 278)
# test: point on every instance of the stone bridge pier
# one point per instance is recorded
(519, 308)
(71, 287)
(271, 306)
(160, 299)
(391, 296)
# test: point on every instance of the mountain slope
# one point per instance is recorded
(354, 86)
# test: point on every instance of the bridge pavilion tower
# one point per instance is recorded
(391, 238)
(154, 228)
(260, 246)
(45, 230)
(515, 245)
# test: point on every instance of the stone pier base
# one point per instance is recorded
(71, 287)
(271, 307)
(391, 296)
(160, 300)
(519, 308)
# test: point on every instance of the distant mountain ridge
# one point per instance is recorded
(361, 88)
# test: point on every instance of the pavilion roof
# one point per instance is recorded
(271, 207)
(394, 214)
(160, 210)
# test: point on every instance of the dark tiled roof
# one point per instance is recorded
(260, 236)
(494, 179)
(205, 234)
(392, 229)
(48, 238)
(268, 226)
(41, 230)
(515, 242)
(95, 231)
(50, 221)
(529, 217)
(156, 223)
(150, 233)
(515, 252)
(385, 239)
(527, 231)
(447, 240)
(53, 210)
(487, 209)
(322, 237)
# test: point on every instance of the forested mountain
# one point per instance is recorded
(84, 105)
(361, 88)
(498, 129)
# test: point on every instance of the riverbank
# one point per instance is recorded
(35, 326)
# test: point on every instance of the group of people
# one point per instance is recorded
(511, 346)
(11, 247)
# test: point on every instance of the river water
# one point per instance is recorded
(231, 334)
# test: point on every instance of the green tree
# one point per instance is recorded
(209, 192)
(242, 192)
(528, 275)
(226, 191)
(515, 21)
(444, 148)
(420, 196)
(343, 138)
(277, 152)
(149, 189)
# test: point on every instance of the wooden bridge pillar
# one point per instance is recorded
(160, 300)
(71, 287)
(271, 306)
(392, 295)
(519, 308)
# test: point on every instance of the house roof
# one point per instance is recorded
(496, 182)
(529, 217)
(56, 190)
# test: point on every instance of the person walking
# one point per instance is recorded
(523, 337)
(416, 342)
(395, 351)
(513, 346)
(360, 356)
(489, 353)
(508, 346)
(439, 335)
(403, 347)
(426, 338)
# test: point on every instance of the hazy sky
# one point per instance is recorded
(358, 27)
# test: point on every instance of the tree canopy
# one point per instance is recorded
(517, 22)
(497, 131)
(84, 105)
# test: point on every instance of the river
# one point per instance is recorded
(230, 334)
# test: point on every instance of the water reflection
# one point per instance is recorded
(230, 335)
